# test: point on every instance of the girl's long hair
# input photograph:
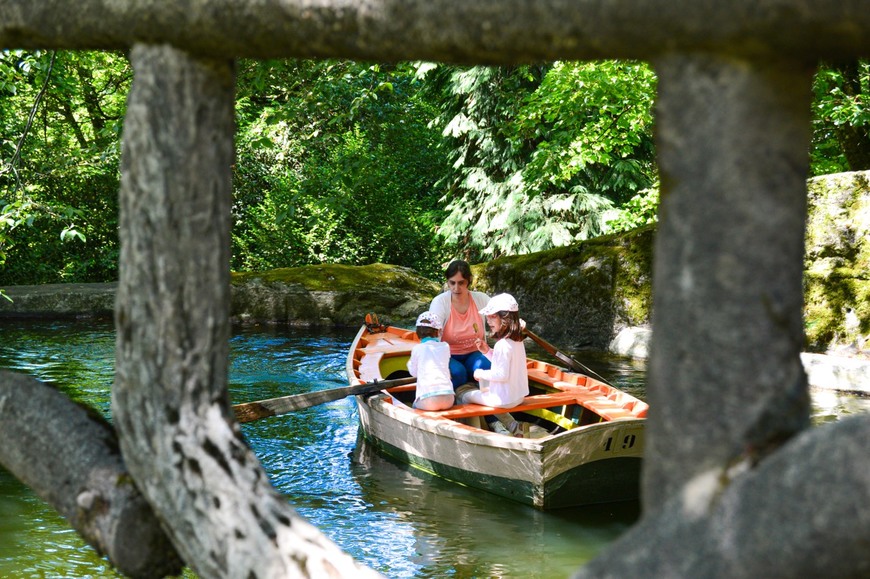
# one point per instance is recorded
(510, 327)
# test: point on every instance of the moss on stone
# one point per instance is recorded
(332, 277)
(326, 295)
(580, 294)
(836, 280)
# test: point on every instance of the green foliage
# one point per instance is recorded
(841, 118)
(336, 165)
(640, 210)
(60, 119)
(357, 163)
(540, 154)
(594, 125)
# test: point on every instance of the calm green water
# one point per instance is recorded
(402, 523)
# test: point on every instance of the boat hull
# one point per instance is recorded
(569, 469)
(588, 464)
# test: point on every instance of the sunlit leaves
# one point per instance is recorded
(347, 175)
(841, 117)
(70, 233)
(540, 154)
(64, 119)
(642, 209)
(596, 122)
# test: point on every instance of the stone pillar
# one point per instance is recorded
(725, 378)
(170, 401)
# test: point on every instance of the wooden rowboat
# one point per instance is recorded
(582, 444)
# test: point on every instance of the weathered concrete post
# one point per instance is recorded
(731, 471)
(170, 401)
(725, 377)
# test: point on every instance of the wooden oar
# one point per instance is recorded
(571, 362)
(251, 411)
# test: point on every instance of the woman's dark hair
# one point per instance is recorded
(459, 266)
(510, 326)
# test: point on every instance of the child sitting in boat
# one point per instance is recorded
(430, 364)
(506, 383)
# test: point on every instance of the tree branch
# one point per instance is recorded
(16, 157)
(69, 456)
(170, 401)
(484, 31)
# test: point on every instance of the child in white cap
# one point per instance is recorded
(430, 364)
(506, 383)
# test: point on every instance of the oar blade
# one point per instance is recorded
(251, 411)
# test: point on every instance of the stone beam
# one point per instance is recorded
(482, 31)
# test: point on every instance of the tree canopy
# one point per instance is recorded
(350, 162)
(61, 119)
(541, 155)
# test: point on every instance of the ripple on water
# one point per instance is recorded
(399, 521)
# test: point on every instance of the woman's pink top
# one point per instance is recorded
(461, 329)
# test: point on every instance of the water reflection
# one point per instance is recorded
(831, 405)
(445, 528)
(79, 357)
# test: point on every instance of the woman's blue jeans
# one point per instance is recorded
(462, 367)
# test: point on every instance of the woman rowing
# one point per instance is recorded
(459, 309)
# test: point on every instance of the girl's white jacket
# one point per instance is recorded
(507, 382)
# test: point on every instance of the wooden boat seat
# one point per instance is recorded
(569, 388)
(529, 403)
(545, 374)
(607, 408)
(605, 400)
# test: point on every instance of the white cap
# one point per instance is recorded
(500, 303)
(429, 320)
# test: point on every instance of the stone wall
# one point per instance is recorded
(595, 294)
(322, 295)
(331, 295)
(837, 270)
(579, 296)
(68, 300)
